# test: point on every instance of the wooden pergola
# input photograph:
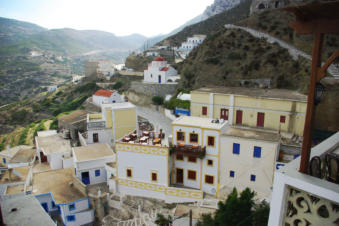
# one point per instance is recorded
(316, 19)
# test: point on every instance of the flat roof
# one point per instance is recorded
(122, 105)
(15, 189)
(53, 144)
(59, 183)
(282, 94)
(12, 151)
(249, 133)
(23, 156)
(92, 152)
(24, 211)
(199, 122)
(12, 177)
(74, 116)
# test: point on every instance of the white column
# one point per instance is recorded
(230, 114)
(210, 106)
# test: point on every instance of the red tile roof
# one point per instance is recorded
(104, 93)
(164, 69)
(159, 59)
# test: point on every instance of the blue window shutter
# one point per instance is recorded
(231, 173)
(97, 173)
(4, 160)
(53, 204)
(252, 177)
(257, 152)
(71, 218)
(71, 207)
(236, 148)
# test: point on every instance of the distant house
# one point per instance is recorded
(77, 78)
(90, 161)
(190, 44)
(106, 97)
(54, 149)
(52, 89)
(160, 72)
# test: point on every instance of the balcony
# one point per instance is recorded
(190, 150)
(95, 121)
(308, 199)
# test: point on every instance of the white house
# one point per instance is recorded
(247, 159)
(58, 193)
(106, 97)
(22, 155)
(106, 68)
(160, 72)
(52, 89)
(54, 149)
(190, 44)
(90, 161)
(77, 78)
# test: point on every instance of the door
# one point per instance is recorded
(85, 178)
(159, 79)
(239, 117)
(224, 113)
(95, 138)
(45, 206)
(43, 157)
(180, 176)
(260, 119)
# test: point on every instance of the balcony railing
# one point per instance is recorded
(191, 150)
(96, 124)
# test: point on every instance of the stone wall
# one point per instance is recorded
(153, 89)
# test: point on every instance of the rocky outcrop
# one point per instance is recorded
(219, 6)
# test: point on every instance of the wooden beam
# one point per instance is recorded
(322, 71)
(316, 26)
(309, 121)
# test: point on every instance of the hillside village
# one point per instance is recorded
(185, 129)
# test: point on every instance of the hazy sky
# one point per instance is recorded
(121, 17)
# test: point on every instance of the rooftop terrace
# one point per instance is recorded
(144, 138)
(59, 183)
(282, 94)
(200, 122)
(53, 144)
(92, 152)
(250, 133)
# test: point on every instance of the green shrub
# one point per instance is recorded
(234, 56)
(54, 124)
(19, 116)
(118, 85)
(177, 103)
(23, 136)
(157, 100)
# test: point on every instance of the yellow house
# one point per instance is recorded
(115, 121)
(274, 109)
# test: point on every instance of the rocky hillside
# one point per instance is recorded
(211, 24)
(233, 57)
(219, 6)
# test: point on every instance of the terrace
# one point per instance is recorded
(145, 138)
(95, 121)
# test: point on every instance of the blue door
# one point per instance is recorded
(45, 206)
(159, 79)
(85, 178)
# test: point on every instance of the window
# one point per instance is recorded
(4, 160)
(180, 136)
(236, 148)
(257, 152)
(231, 173)
(151, 76)
(204, 110)
(154, 176)
(252, 177)
(180, 157)
(193, 138)
(129, 172)
(210, 141)
(97, 173)
(209, 162)
(53, 204)
(71, 207)
(209, 179)
(192, 159)
(71, 218)
(191, 175)
(282, 119)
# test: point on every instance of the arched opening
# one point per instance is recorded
(261, 6)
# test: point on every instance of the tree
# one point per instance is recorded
(157, 100)
(238, 210)
(162, 220)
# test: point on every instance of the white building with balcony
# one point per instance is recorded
(299, 198)
(160, 72)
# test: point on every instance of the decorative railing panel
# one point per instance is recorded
(303, 208)
(97, 124)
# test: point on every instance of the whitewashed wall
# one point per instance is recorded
(105, 136)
